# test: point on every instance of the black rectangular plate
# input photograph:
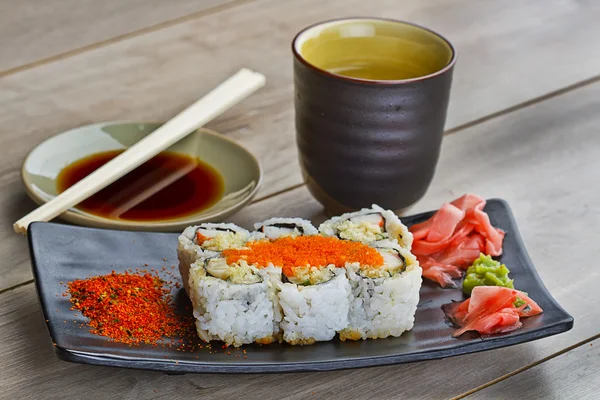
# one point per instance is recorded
(62, 253)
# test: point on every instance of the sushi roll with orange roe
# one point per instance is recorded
(285, 281)
(314, 294)
(232, 301)
(384, 295)
(235, 302)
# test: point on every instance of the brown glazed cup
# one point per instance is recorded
(362, 140)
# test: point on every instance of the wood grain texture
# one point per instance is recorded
(573, 375)
(151, 77)
(541, 159)
(34, 30)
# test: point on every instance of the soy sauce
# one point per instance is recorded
(168, 186)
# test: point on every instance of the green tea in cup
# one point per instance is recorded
(377, 50)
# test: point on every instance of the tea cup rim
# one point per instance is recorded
(298, 56)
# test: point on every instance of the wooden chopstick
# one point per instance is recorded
(228, 93)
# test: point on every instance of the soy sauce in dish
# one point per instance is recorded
(168, 186)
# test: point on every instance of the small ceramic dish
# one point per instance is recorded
(240, 170)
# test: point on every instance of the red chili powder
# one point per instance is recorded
(304, 251)
(128, 308)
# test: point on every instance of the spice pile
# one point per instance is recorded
(129, 308)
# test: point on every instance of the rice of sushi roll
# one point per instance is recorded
(383, 298)
(274, 228)
(204, 240)
(235, 302)
(367, 226)
(316, 311)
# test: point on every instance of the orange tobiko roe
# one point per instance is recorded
(303, 251)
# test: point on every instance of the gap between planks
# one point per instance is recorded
(18, 285)
(525, 368)
(125, 36)
(524, 104)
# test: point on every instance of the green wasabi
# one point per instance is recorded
(486, 271)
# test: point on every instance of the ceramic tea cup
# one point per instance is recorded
(370, 97)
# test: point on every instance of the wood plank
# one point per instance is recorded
(31, 30)
(573, 375)
(542, 160)
(151, 77)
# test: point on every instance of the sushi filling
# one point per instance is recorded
(393, 263)
(307, 276)
(369, 225)
(220, 239)
(237, 273)
(363, 228)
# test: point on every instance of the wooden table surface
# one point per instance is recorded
(523, 125)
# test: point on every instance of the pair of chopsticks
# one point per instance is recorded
(228, 93)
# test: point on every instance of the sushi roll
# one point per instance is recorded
(314, 292)
(235, 302)
(354, 276)
(383, 298)
(204, 240)
(275, 228)
(367, 226)
(315, 304)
